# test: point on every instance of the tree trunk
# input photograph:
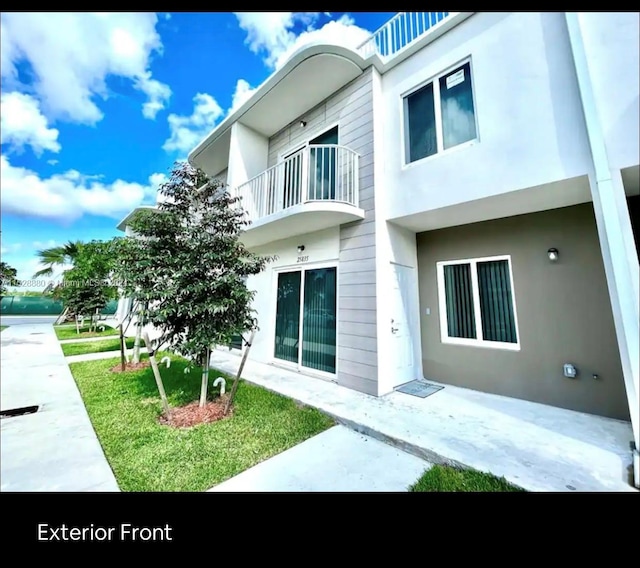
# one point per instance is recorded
(97, 319)
(156, 374)
(136, 344)
(234, 388)
(122, 358)
(62, 316)
(77, 325)
(205, 378)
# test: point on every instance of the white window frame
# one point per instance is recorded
(442, 304)
(319, 131)
(440, 150)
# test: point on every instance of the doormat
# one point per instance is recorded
(419, 388)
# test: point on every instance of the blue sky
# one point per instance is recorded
(97, 107)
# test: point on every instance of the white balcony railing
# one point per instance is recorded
(319, 173)
(400, 31)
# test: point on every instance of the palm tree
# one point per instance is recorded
(57, 256)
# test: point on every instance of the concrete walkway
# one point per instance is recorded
(538, 447)
(56, 448)
(338, 459)
(96, 356)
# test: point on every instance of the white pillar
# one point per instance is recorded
(615, 234)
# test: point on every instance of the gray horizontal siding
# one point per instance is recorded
(349, 278)
(357, 355)
(367, 205)
(358, 369)
(357, 253)
(359, 228)
(365, 330)
(362, 384)
(356, 305)
(364, 314)
(357, 241)
(222, 176)
(357, 290)
(352, 109)
(357, 265)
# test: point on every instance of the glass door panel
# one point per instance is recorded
(288, 317)
(323, 166)
(292, 190)
(319, 320)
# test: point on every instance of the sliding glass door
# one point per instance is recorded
(323, 166)
(305, 331)
(288, 317)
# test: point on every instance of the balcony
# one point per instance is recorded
(312, 189)
(399, 32)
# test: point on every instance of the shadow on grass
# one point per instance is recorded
(99, 346)
(181, 387)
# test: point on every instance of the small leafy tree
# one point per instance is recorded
(8, 277)
(87, 287)
(187, 267)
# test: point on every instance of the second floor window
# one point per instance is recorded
(440, 114)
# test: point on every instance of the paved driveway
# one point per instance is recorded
(21, 320)
(56, 448)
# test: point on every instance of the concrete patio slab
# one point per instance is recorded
(56, 448)
(538, 447)
(337, 460)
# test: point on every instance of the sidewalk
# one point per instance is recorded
(56, 448)
(538, 447)
(338, 459)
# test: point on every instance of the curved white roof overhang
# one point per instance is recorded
(313, 73)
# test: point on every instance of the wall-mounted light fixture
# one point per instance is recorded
(300, 248)
(302, 124)
(553, 254)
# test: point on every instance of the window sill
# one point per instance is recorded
(422, 161)
(481, 344)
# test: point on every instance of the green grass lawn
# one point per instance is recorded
(96, 346)
(69, 332)
(146, 456)
(441, 478)
(3, 327)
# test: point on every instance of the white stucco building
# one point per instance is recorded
(454, 200)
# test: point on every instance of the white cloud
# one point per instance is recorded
(22, 124)
(45, 244)
(52, 162)
(10, 248)
(70, 55)
(157, 92)
(156, 180)
(272, 33)
(26, 266)
(67, 196)
(241, 94)
(187, 131)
